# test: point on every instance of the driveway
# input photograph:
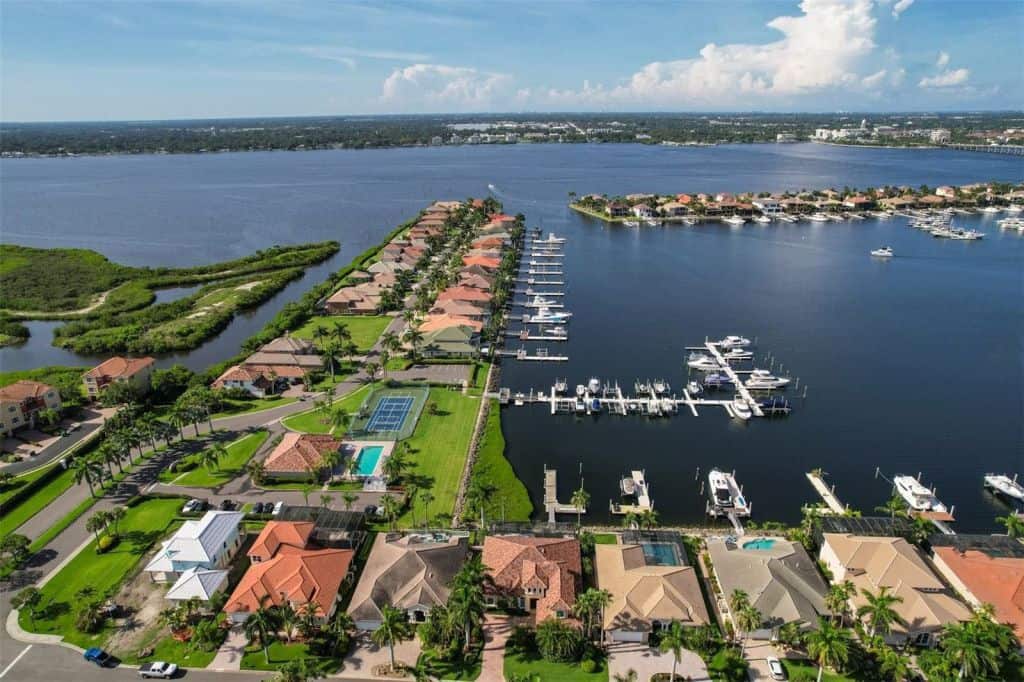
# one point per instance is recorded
(647, 661)
(497, 628)
(756, 654)
(38, 448)
(365, 656)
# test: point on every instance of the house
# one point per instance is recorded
(617, 209)
(135, 372)
(767, 206)
(299, 456)
(464, 293)
(198, 583)
(643, 211)
(899, 203)
(858, 203)
(780, 578)
(539, 575)
(931, 201)
(412, 573)
(675, 209)
(287, 568)
(304, 363)
(443, 321)
(252, 380)
(475, 281)
(358, 276)
(946, 191)
(353, 301)
(461, 309)
(208, 543)
(289, 344)
(383, 266)
(871, 563)
(985, 569)
(646, 595)
(505, 221)
(488, 242)
(460, 341)
(483, 261)
(684, 199)
(21, 403)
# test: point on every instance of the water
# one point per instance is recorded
(912, 365)
(369, 455)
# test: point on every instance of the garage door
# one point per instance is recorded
(628, 636)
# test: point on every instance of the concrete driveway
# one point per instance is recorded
(365, 656)
(647, 661)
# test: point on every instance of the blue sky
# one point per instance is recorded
(79, 60)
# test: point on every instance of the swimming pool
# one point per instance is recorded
(661, 554)
(759, 543)
(366, 463)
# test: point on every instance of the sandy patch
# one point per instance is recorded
(248, 285)
(144, 600)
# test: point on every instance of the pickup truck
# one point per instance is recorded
(98, 656)
(158, 669)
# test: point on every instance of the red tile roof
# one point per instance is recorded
(463, 294)
(299, 452)
(24, 389)
(118, 367)
(277, 533)
(552, 565)
(998, 581)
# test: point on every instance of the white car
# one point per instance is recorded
(277, 508)
(158, 669)
(775, 668)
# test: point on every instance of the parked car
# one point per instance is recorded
(227, 505)
(277, 508)
(193, 506)
(370, 510)
(158, 669)
(775, 668)
(98, 656)
(266, 507)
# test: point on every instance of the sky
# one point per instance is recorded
(77, 60)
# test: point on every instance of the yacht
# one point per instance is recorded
(631, 223)
(704, 363)
(547, 315)
(1005, 486)
(721, 493)
(734, 220)
(734, 342)
(737, 355)
(918, 497)
(652, 223)
(762, 219)
(550, 239)
(627, 486)
(543, 302)
(884, 252)
(818, 218)
(693, 388)
(581, 390)
(661, 386)
(557, 330)
(594, 385)
(763, 379)
(740, 408)
(1014, 208)
(716, 380)
(966, 235)
(990, 209)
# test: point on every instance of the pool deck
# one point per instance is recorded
(357, 446)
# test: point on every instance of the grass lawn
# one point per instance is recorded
(47, 375)
(11, 518)
(545, 671)
(456, 670)
(439, 447)
(310, 421)
(232, 466)
(170, 649)
(280, 652)
(143, 525)
(792, 667)
(365, 329)
(511, 501)
(232, 407)
(606, 539)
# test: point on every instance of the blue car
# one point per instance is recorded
(98, 656)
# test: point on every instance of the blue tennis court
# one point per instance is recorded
(390, 413)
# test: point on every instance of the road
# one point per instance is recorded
(92, 421)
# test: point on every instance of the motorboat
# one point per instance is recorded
(734, 220)
(884, 252)
(704, 363)
(561, 386)
(1002, 484)
(594, 385)
(763, 379)
(818, 218)
(719, 489)
(717, 380)
(547, 315)
(1014, 208)
(652, 223)
(741, 409)
(737, 355)
(595, 405)
(550, 239)
(557, 330)
(581, 390)
(762, 219)
(917, 497)
(734, 342)
(990, 209)
(668, 405)
(966, 235)
(543, 302)
(580, 405)
(627, 486)
(631, 223)
(693, 388)
(661, 386)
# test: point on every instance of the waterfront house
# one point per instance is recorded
(385, 266)
(931, 201)
(646, 595)
(985, 569)
(684, 199)
(252, 380)
(643, 211)
(133, 372)
(796, 206)
(285, 365)
(464, 293)
(412, 573)
(475, 281)
(946, 191)
(871, 563)
(899, 203)
(858, 203)
(468, 309)
(299, 456)
(208, 543)
(674, 209)
(352, 302)
(21, 403)
(443, 321)
(767, 206)
(488, 242)
(505, 221)
(482, 261)
(635, 197)
(480, 270)
(391, 252)
(780, 578)
(617, 209)
(289, 344)
(287, 568)
(358, 276)
(538, 575)
(460, 341)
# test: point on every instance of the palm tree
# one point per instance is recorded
(114, 517)
(210, 457)
(95, 523)
(109, 456)
(466, 603)
(288, 617)
(371, 372)
(320, 332)
(579, 499)
(309, 615)
(330, 353)
(340, 332)
(673, 641)
(307, 490)
(828, 645)
(589, 606)
(648, 519)
(893, 665)
(349, 498)
(966, 645)
(414, 337)
(631, 520)
(262, 626)
(838, 598)
(390, 507)
(297, 670)
(394, 628)
(257, 472)
(29, 599)
(426, 497)
(339, 419)
(879, 610)
(747, 619)
(88, 470)
(1014, 525)
(893, 506)
(325, 500)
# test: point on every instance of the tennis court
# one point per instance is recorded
(390, 413)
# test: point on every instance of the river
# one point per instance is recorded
(911, 365)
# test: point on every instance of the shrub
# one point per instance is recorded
(106, 543)
(521, 640)
(588, 665)
(89, 618)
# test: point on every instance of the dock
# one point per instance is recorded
(540, 282)
(755, 407)
(827, 494)
(526, 335)
(534, 292)
(551, 504)
(540, 355)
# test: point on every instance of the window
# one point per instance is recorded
(560, 613)
(923, 639)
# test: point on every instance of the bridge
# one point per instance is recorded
(1013, 149)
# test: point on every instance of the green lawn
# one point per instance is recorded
(511, 501)
(48, 375)
(546, 671)
(456, 670)
(439, 447)
(232, 466)
(280, 652)
(792, 667)
(365, 329)
(606, 539)
(12, 518)
(142, 526)
(231, 407)
(311, 422)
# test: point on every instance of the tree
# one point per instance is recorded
(29, 599)
(893, 665)
(297, 670)
(967, 646)
(88, 470)
(838, 598)
(394, 628)
(371, 371)
(325, 500)
(631, 520)
(828, 645)
(558, 641)
(14, 547)
(261, 627)
(96, 523)
(747, 619)
(1014, 525)
(309, 615)
(893, 506)
(648, 519)
(390, 507)
(629, 676)
(307, 490)
(589, 606)
(339, 419)
(426, 497)
(414, 337)
(349, 498)
(466, 604)
(257, 472)
(879, 611)
(580, 498)
(673, 641)
(210, 457)
(790, 635)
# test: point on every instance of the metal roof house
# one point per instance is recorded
(209, 542)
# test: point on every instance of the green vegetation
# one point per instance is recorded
(365, 329)
(440, 445)
(54, 375)
(314, 421)
(509, 500)
(279, 653)
(52, 280)
(459, 669)
(605, 539)
(230, 465)
(805, 670)
(12, 518)
(532, 666)
(232, 407)
(91, 577)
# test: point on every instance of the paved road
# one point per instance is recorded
(92, 421)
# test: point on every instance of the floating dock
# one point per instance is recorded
(540, 282)
(551, 504)
(726, 369)
(526, 335)
(827, 494)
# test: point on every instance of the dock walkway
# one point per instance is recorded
(827, 494)
(755, 407)
(551, 504)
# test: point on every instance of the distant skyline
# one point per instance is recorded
(74, 61)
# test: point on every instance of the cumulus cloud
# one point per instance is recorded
(437, 87)
(943, 60)
(900, 7)
(946, 79)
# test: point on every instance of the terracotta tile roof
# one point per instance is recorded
(518, 563)
(118, 367)
(299, 452)
(459, 309)
(252, 374)
(24, 389)
(483, 261)
(463, 294)
(283, 371)
(998, 581)
(295, 575)
(277, 533)
(443, 321)
(288, 344)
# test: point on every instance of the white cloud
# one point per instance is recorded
(900, 7)
(874, 80)
(943, 60)
(946, 79)
(437, 87)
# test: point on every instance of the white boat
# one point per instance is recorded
(737, 355)
(763, 379)
(719, 489)
(818, 218)
(631, 223)
(966, 235)
(550, 239)
(542, 302)
(547, 315)
(693, 388)
(704, 363)
(762, 219)
(652, 223)
(594, 385)
(740, 408)
(917, 497)
(734, 220)
(884, 252)
(627, 486)
(990, 209)
(1014, 208)
(1006, 486)
(581, 390)
(734, 342)
(660, 386)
